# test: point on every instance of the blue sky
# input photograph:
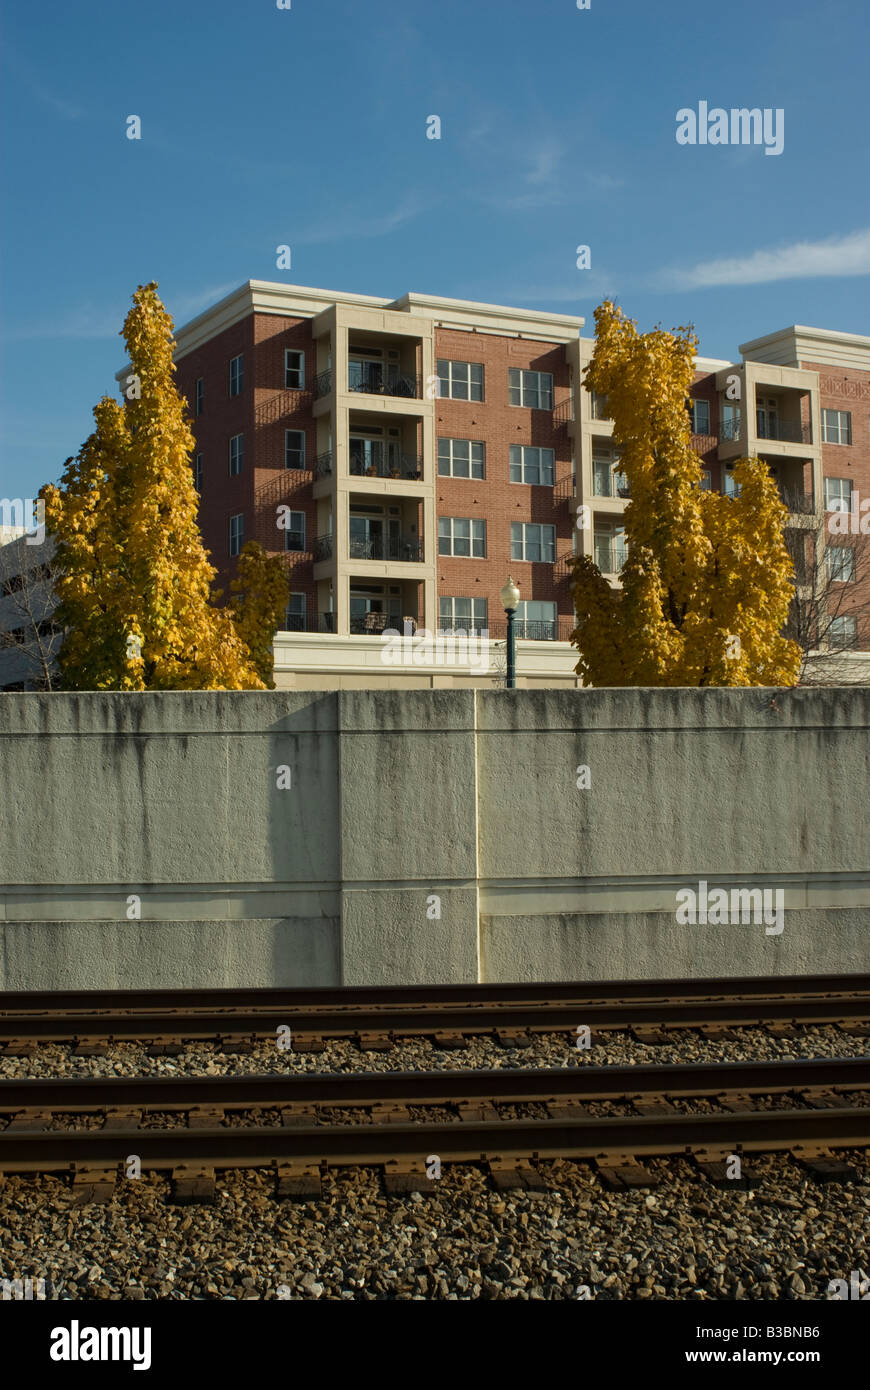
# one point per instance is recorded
(307, 126)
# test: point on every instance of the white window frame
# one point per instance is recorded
(475, 621)
(533, 390)
(520, 543)
(458, 374)
(839, 498)
(237, 533)
(237, 374)
(524, 619)
(616, 478)
(476, 538)
(833, 433)
(835, 555)
(296, 531)
(237, 455)
(706, 483)
(547, 465)
(297, 371)
(701, 402)
(450, 459)
(846, 623)
(300, 435)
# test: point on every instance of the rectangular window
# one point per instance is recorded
(706, 480)
(700, 414)
(461, 536)
(460, 381)
(237, 454)
(838, 494)
(294, 370)
(530, 541)
(236, 375)
(607, 481)
(197, 473)
(461, 615)
(599, 407)
(611, 551)
(461, 458)
(237, 533)
(836, 427)
(840, 561)
(534, 466)
(294, 448)
(531, 389)
(767, 417)
(294, 618)
(200, 394)
(843, 632)
(536, 620)
(294, 531)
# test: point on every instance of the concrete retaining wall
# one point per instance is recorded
(426, 835)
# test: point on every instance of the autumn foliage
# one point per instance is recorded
(708, 579)
(135, 593)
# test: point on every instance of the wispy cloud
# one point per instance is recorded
(344, 223)
(837, 255)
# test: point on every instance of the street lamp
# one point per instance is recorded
(510, 597)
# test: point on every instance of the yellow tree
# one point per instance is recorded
(708, 580)
(260, 591)
(135, 592)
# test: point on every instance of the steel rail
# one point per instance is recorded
(579, 1082)
(575, 1137)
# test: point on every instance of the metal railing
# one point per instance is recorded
(558, 629)
(404, 466)
(323, 465)
(610, 556)
(798, 503)
(730, 429)
(564, 411)
(282, 403)
(402, 548)
(322, 384)
(409, 386)
(787, 431)
(322, 548)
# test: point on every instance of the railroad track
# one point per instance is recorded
(300, 1125)
(377, 1018)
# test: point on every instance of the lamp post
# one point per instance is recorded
(510, 597)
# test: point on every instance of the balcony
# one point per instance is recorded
(610, 554)
(281, 404)
(322, 384)
(382, 382)
(323, 465)
(398, 466)
(556, 629)
(786, 431)
(607, 481)
(406, 549)
(798, 503)
(323, 548)
(563, 413)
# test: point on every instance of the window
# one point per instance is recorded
(294, 370)
(294, 531)
(731, 488)
(836, 427)
(529, 541)
(461, 536)
(730, 421)
(843, 632)
(294, 448)
(461, 458)
(536, 620)
(706, 480)
(197, 473)
(200, 394)
(767, 417)
(838, 494)
(611, 551)
(599, 407)
(237, 533)
(460, 381)
(531, 389)
(462, 615)
(534, 466)
(607, 481)
(700, 415)
(237, 454)
(294, 618)
(237, 373)
(840, 561)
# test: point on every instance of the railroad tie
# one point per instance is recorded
(715, 1164)
(820, 1098)
(19, 1047)
(375, 1042)
(204, 1117)
(306, 1042)
(619, 1171)
(509, 1173)
(450, 1041)
(297, 1116)
(650, 1033)
(385, 1113)
(653, 1105)
(235, 1044)
(513, 1037)
(119, 1117)
(717, 1032)
(164, 1046)
(781, 1030)
(405, 1175)
(191, 1184)
(822, 1164)
(737, 1102)
(855, 1029)
(474, 1111)
(91, 1047)
(30, 1121)
(92, 1185)
(299, 1178)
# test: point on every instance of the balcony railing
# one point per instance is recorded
(402, 466)
(322, 548)
(729, 429)
(403, 548)
(282, 403)
(323, 465)
(610, 556)
(787, 431)
(564, 411)
(608, 483)
(322, 384)
(565, 489)
(557, 629)
(392, 385)
(798, 503)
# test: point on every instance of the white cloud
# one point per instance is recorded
(838, 255)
